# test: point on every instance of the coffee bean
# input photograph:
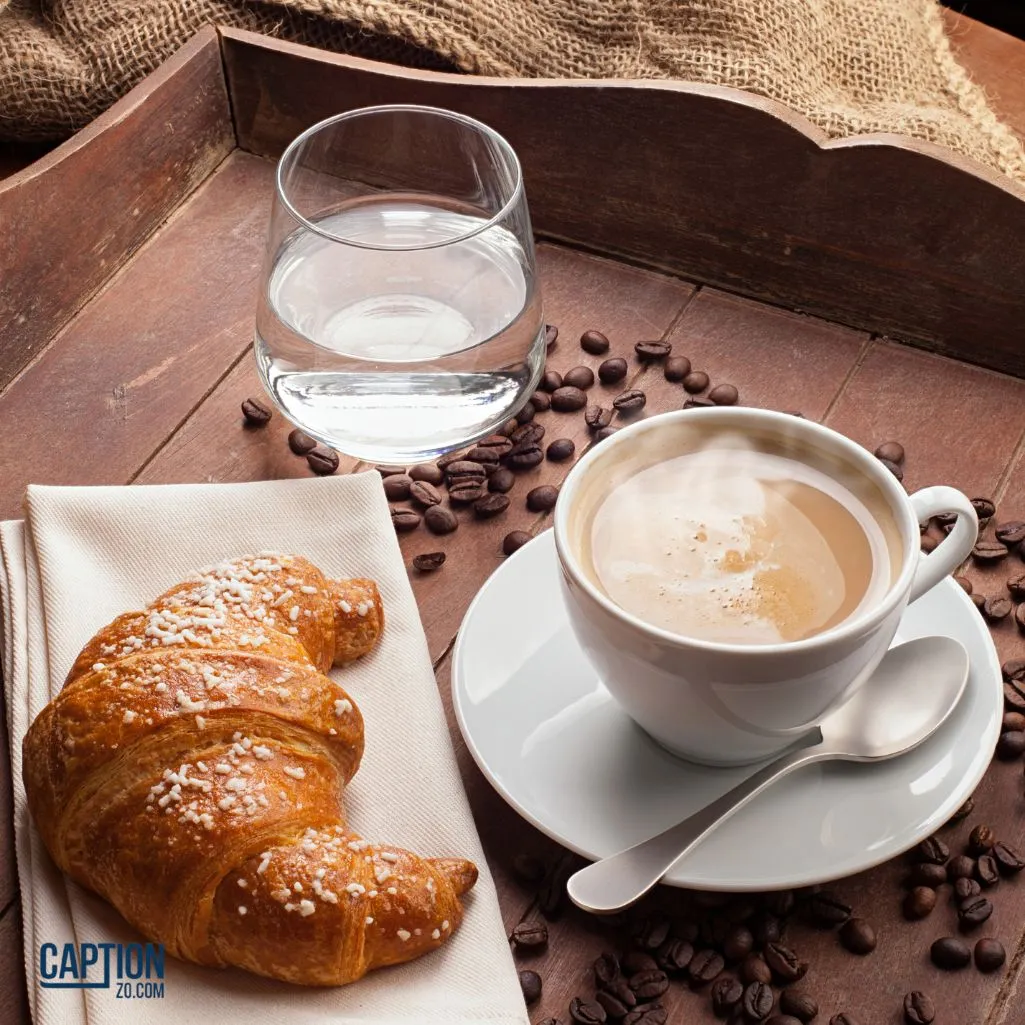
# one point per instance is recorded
(782, 1019)
(797, 1004)
(965, 888)
(396, 487)
(530, 936)
(984, 508)
(932, 849)
(257, 413)
(322, 460)
(1010, 746)
(528, 868)
(726, 994)
(525, 455)
(971, 913)
(989, 551)
(844, 1018)
(738, 944)
(687, 930)
(502, 480)
(597, 417)
(525, 434)
(1014, 693)
(428, 562)
(894, 468)
(1009, 861)
(785, 964)
(424, 494)
(586, 1012)
(551, 335)
(464, 470)
(530, 983)
(1016, 587)
(766, 928)
(757, 1001)
(568, 399)
(754, 969)
(541, 401)
(457, 457)
(526, 413)
(995, 608)
(440, 520)
(551, 895)
(927, 874)
(578, 377)
(724, 395)
(1010, 532)
(550, 381)
(978, 600)
(781, 903)
(704, 966)
(594, 342)
(891, 450)
(950, 953)
(514, 541)
(490, 505)
(560, 450)
(698, 404)
(960, 867)
(927, 543)
(826, 910)
(651, 1014)
(606, 968)
(963, 582)
(650, 933)
(1013, 669)
(989, 955)
(506, 429)
(501, 444)
(630, 402)
(427, 473)
(463, 492)
(918, 1008)
(918, 903)
(674, 954)
(676, 368)
(650, 351)
(986, 871)
(404, 520)
(301, 443)
(858, 936)
(604, 432)
(696, 381)
(615, 1006)
(488, 455)
(962, 813)
(650, 984)
(543, 498)
(1019, 617)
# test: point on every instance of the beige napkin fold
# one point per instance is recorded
(86, 554)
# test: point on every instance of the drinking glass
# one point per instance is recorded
(399, 315)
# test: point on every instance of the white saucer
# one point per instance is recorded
(555, 745)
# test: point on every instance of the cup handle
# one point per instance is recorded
(954, 548)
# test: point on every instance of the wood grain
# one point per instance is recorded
(73, 218)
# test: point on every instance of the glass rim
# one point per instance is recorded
(503, 144)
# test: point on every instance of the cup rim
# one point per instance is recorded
(515, 196)
(844, 630)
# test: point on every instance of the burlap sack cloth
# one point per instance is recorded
(851, 66)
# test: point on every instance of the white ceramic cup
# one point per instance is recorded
(730, 704)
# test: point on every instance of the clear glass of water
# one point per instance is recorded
(399, 315)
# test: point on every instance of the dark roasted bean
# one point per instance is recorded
(396, 487)
(925, 873)
(530, 936)
(440, 520)
(784, 964)
(798, 1004)
(578, 377)
(612, 370)
(754, 969)
(256, 412)
(989, 955)
(984, 508)
(781, 903)
(826, 910)
(726, 993)
(463, 492)
(989, 551)
(676, 368)
(651, 932)
(634, 961)
(960, 867)
(490, 505)
(766, 928)
(543, 498)
(919, 902)
(541, 401)
(704, 966)
(649, 351)
(502, 480)
(630, 402)
(650, 1014)
(674, 955)
(606, 968)
(894, 468)
(427, 473)
(594, 342)
(428, 562)
(738, 944)
(649, 985)
(614, 1007)
(696, 381)
(568, 399)
(724, 395)
(965, 888)
(551, 381)
(932, 849)
(971, 913)
(597, 417)
(530, 983)
(858, 936)
(464, 470)
(506, 429)
(551, 335)
(301, 443)
(918, 1008)
(1010, 746)
(964, 583)
(525, 455)
(891, 450)
(404, 520)
(962, 813)
(1008, 860)
(986, 871)
(322, 460)
(587, 1012)
(527, 412)
(1016, 586)
(1010, 532)
(425, 494)
(488, 455)
(757, 1001)
(996, 607)
(606, 432)
(456, 457)
(560, 450)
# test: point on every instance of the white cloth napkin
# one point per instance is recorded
(86, 554)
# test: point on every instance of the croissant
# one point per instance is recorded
(191, 772)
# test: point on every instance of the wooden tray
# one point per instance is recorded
(128, 265)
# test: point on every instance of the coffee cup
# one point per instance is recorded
(735, 574)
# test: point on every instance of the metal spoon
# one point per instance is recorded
(911, 693)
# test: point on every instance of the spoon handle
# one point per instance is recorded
(616, 882)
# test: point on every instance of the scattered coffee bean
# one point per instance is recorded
(894, 468)
(530, 936)
(568, 399)
(257, 413)
(781, 903)
(891, 450)
(1014, 693)
(526, 412)
(551, 335)
(650, 351)
(500, 444)
(738, 944)
(1010, 746)
(996, 608)
(925, 873)
(650, 1014)
(404, 520)
(560, 450)
(918, 903)
(986, 871)
(964, 583)
(587, 1012)
(724, 395)
(594, 342)
(543, 498)
(766, 928)
(989, 551)
(1013, 669)
(1019, 616)
(965, 888)
(858, 936)
(984, 508)
(541, 401)
(950, 953)
(506, 429)
(526, 433)
(650, 933)
(322, 460)
(918, 1008)
(696, 381)
(674, 955)
(614, 1006)
(754, 969)
(390, 471)
(630, 402)
(428, 562)
(704, 966)
(844, 1018)
(514, 541)
(490, 505)
(784, 963)
(978, 600)
(698, 404)
(396, 487)
(606, 968)
(604, 432)
(798, 1005)
(989, 955)
(551, 381)
(551, 895)
(427, 473)
(932, 849)
(612, 370)
(927, 543)
(525, 455)
(971, 913)
(440, 520)
(597, 417)
(634, 961)
(578, 377)
(530, 983)
(960, 867)
(757, 1000)
(457, 457)
(488, 455)
(1010, 532)
(1016, 587)
(528, 868)
(649, 985)
(826, 910)
(676, 368)
(502, 480)
(301, 443)
(782, 1019)
(1009, 861)
(464, 492)
(726, 994)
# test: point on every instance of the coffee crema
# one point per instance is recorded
(740, 546)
